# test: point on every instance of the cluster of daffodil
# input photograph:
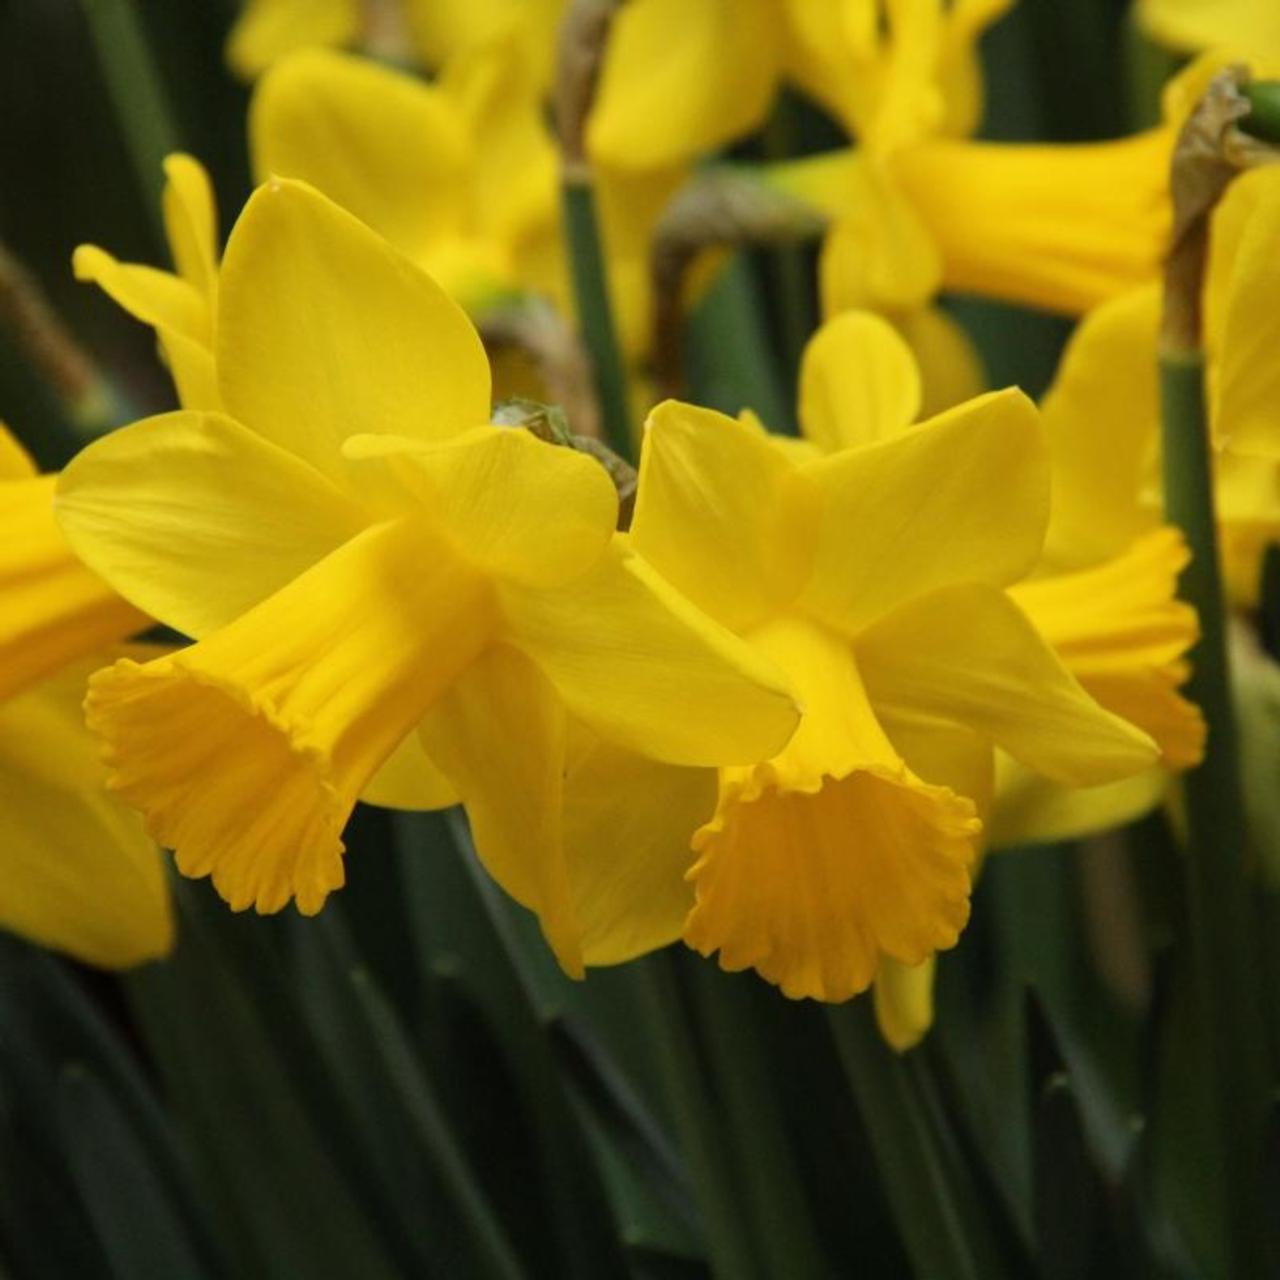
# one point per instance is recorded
(780, 707)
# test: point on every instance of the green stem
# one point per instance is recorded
(1148, 67)
(934, 1218)
(595, 315)
(784, 1229)
(790, 271)
(137, 94)
(1263, 120)
(732, 366)
(1222, 942)
(692, 1105)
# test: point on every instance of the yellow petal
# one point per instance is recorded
(325, 331)
(833, 854)
(662, 101)
(904, 1002)
(522, 508)
(191, 222)
(875, 67)
(195, 519)
(1194, 24)
(1120, 631)
(858, 382)
(636, 662)
(384, 145)
(247, 751)
(181, 314)
(906, 515)
(716, 516)
(1101, 419)
(497, 92)
(158, 298)
(512, 785)
(191, 367)
(959, 66)
(1062, 227)
(52, 608)
(1247, 494)
(1030, 809)
(628, 825)
(824, 57)
(879, 252)
(951, 370)
(946, 754)
(445, 29)
(269, 29)
(80, 874)
(967, 653)
(15, 461)
(1243, 280)
(409, 780)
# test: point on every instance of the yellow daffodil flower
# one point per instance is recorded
(916, 207)
(181, 306)
(1114, 626)
(1190, 25)
(78, 872)
(869, 563)
(390, 598)
(434, 30)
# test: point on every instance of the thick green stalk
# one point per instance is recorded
(935, 1216)
(785, 1232)
(731, 365)
(692, 1105)
(790, 270)
(595, 315)
(1222, 942)
(137, 95)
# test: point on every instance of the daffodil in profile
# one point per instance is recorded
(77, 871)
(870, 564)
(1114, 624)
(914, 206)
(917, 205)
(391, 598)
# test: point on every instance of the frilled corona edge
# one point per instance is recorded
(813, 884)
(265, 824)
